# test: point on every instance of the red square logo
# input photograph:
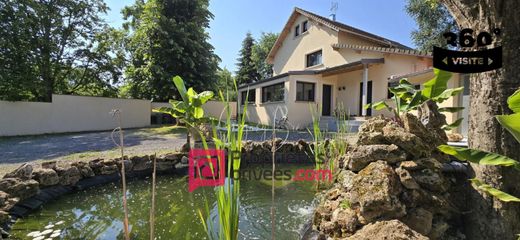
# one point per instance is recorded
(206, 168)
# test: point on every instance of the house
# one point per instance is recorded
(320, 61)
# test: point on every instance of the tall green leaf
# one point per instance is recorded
(511, 123)
(179, 84)
(453, 125)
(502, 196)
(437, 85)
(480, 157)
(447, 94)
(514, 101)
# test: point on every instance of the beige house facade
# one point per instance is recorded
(320, 62)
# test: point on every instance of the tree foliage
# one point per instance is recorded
(247, 70)
(56, 47)
(259, 54)
(433, 20)
(226, 83)
(168, 38)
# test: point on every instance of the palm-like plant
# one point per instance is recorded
(510, 122)
(190, 110)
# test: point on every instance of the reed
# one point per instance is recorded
(152, 209)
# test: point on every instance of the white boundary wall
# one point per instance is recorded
(67, 113)
(211, 108)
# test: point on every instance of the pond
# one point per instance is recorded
(97, 213)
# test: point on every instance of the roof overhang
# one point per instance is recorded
(418, 76)
(349, 67)
(399, 51)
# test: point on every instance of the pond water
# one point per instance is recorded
(97, 213)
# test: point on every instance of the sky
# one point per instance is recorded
(234, 18)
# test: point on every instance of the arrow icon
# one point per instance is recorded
(445, 60)
(490, 61)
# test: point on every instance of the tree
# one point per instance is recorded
(54, 47)
(247, 70)
(433, 20)
(490, 218)
(226, 83)
(168, 38)
(260, 52)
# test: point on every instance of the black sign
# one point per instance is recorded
(467, 62)
(470, 61)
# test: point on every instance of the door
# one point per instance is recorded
(327, 100)
(369, 98)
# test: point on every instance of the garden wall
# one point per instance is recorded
(67, 113)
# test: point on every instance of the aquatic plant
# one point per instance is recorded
(152, 209)
(318, 149)
(511, 123)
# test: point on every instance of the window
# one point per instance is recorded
(304, 91)
(297, 30)
(251, 98)
(314, 58)
(305, 26)
(273, 93)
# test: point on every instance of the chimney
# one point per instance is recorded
(332, 17)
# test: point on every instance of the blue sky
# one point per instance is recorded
(234, 18)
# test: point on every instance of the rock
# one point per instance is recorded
(46, 177)
(420, 220)
(429, 115)
(439, 228)
(433, 202)
(96, 166)
(387, 230)
(4, 217)
(407, 141)
(454, 137)
(370, 138)
(184, 160)
(345, 178)
(141, 163)
(108, 169)
(430, 179)
(49, 164)
(22, 189)
(362, 155)
(376, 188)
(3, 198)
(333, 194)
(374, 124)
(409, 165)
(406, 178)
(69, 175)
(84, 169)
(429, 136)
(346, 220)
(327, 227)
(128, 165)
(23, 172)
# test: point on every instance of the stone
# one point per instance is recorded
(23, 172)
(362, 155)
(327, 227)
(435, 203)
(420, 220)
(128, 165)
(4, 217)
(108, 169)
(84, 169)
(345, 219)
(409, 165)
(431, 180)
(386, 230)
(18, 188)
(46, 177)
(374, 124)
(96, 166)
(407, 141)
(69, 175)
(406, 178)
(184, 160)
(370, 138)
(376, 188)
(412, 125)
(49, 164)
(454, 137)
(429, 115)
(439, 228)
(346, 178)
(141, 163)
(4, 197)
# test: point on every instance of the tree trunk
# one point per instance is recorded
(489, 218)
